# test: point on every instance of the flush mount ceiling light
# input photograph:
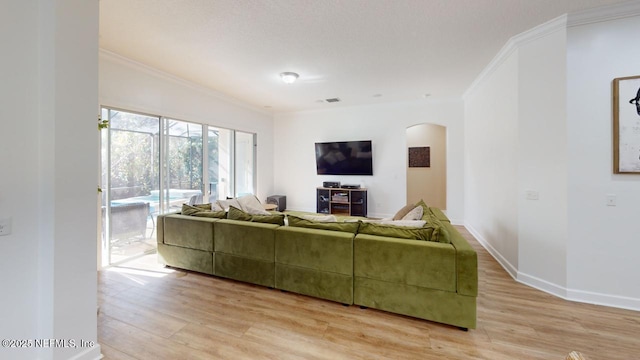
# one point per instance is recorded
(289, 77)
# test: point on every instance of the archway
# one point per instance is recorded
(427, 164)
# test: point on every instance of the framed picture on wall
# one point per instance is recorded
(626, 125)
(420, 156)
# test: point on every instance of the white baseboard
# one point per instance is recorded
(92, 353)
(562, 292)
(511, 270)
(542, 285)
(621, 302)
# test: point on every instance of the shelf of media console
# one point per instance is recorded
(343, 201)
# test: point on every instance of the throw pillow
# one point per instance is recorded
(321, 218)
(425, 210)
(237, 214)
(250, 204)
(404, 223)
(192, 209)
(423, 233)
(404, 211)
(440, 233)
(414, 214)
(212, 214)
(216, 207)
(225, 204)
(275, 218)
(351, 227)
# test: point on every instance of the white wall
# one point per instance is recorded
(385, 124)
(19, 174)
(491, 162)
(128, 85)
(542, 159)
(604, 246)
(48, 144)
(556, 84)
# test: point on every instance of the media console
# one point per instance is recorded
(341, 201)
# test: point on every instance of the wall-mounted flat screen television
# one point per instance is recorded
(344, 158)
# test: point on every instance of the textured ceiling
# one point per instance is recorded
(361, 51)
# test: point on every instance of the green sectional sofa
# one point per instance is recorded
(432, 280)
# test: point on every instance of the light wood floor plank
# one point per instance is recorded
(149, 312)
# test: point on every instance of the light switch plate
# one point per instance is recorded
(5, 226)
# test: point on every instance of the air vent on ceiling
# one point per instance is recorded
(332, 100)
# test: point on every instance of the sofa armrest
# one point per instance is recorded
(466, 263)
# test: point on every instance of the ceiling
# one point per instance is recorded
(361, 51)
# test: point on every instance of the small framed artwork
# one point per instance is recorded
(626, 125)
(420, 156)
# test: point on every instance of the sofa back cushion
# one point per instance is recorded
(189, 232)
(424, 233)
(245, 239)
(350, 227)
(408, 262)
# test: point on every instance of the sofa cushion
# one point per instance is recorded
(423, 233)
(271, 218)
(188, 232)
(350, 227)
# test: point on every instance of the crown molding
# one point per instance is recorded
(178, 80)
(604, 13)
(600, 14)
(540, 31)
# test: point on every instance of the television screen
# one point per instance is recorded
(344, 158)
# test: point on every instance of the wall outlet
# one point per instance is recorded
(532, 195)
(5, 226)
(611, 200)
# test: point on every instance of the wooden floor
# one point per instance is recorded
(149, 312)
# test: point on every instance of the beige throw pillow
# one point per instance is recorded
(224, 204)
(321, 218)
(251, 205)
(415, 214)
(404, 211)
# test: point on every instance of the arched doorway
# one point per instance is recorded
(427, 165)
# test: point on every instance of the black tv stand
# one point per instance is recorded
(341, 201)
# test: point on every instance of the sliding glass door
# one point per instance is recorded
(152, 165)
(183, 161)
(244, 163)
(219, 163)
(130, 184)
